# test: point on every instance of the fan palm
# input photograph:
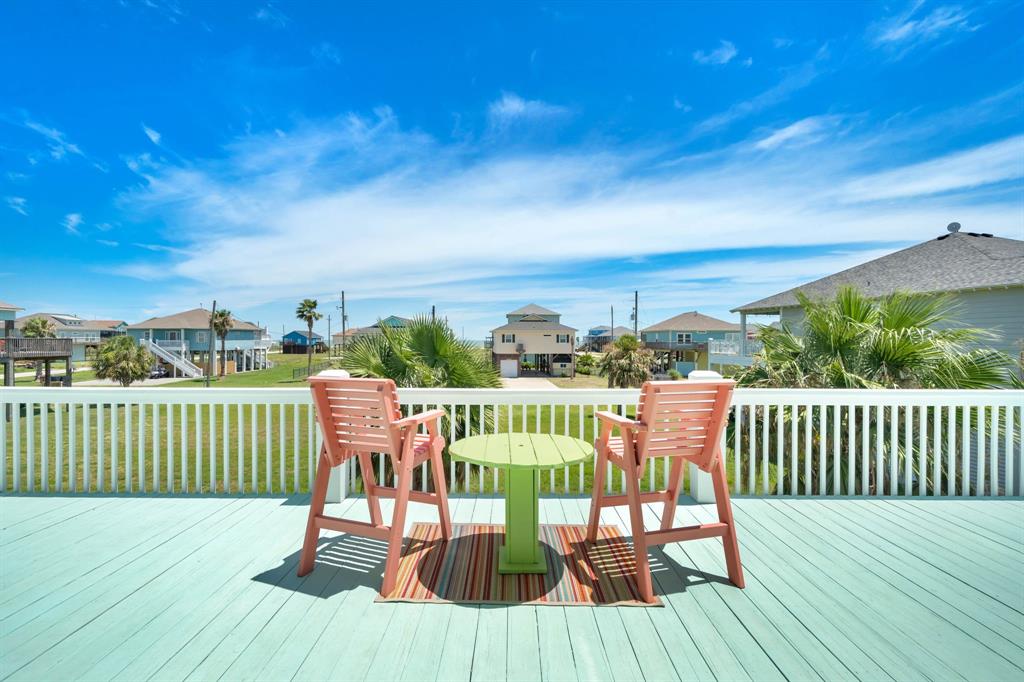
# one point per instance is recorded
(222, 323)
(626, 363)
(307, 312)
(900, 341)
(123, 360)
(426, 353)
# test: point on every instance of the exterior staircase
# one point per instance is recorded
(177, 360)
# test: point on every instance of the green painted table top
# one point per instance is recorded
(522, 450)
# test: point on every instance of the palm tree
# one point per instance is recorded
(39, 328)
(899, 341)
(626, 363)
(123, 360)
(426, 353)
(222, 323)
(307, 312)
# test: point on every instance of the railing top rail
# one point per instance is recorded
(469, 396)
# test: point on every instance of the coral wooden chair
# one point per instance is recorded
(682, 420)
(359, 417)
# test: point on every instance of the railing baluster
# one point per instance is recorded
(993, 452)
(908, 449)
(851, 448)
(282, 452)
(72, 455)
(240, 430)
(865, 439)
(170, 449)
(59, 445)
(965, 450)
(836, 446)
(254, 415)
(793, 472)
(225, 450)
(101, 440)
(808, 450)
(213, 447)
(979, 486)
(937, 450)
(44, 446)
(951, 450)
(737, 439)
(879, 449)
(268, 469)
(86, 443)
(199, 447)
(765, 447)
(156, 447)
(141, 451)
(780, 476)
(922, 449)
(1008, 459)
(752, 448)
(129, 483)
(183, 446)
(295, 451)
(452, 416)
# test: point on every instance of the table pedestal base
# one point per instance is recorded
(521, 552)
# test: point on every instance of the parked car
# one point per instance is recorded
(159, 372)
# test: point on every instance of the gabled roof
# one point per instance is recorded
(304, 334)
(532, 309)
(692, 321)
(9, 306)
(958, 261)
(68, 321)
(105, 324)
(605, 331)
(540, 325)
(197, 318)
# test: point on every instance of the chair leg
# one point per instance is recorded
(732, 547)
(636, 520)
(675, 481)
(600, 468)
(441, 490)
(370, 483)
(316, 507)
(402, 486)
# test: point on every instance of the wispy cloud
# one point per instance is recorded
(107, 242)
(272, 16)
(723, 54)
(793, 79)
(326, 52)
(59, 146)
(153, 135)
(17, 204)
(918, 25)
(71, 222)
(511, 108)
(781, 43)
(247, 223)
(803, 132)
(681, 105)
(989, 164)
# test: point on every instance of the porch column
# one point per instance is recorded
(743, 334)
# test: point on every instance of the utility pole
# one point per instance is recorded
(636, 313)
(344, 319)
(330, 341)
(611, 333)
(209, 364)
(433, 313)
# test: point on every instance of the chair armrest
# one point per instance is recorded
(613, 419)
(421, 418)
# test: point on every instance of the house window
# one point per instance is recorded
(508, 338)
(562, 338)
(684, 337)
(201, 337)
(174, 336)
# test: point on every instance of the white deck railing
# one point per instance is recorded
(263, 440)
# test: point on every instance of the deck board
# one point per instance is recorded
(171, 588)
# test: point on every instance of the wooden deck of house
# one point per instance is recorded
(168, 588)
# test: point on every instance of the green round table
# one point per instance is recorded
(522, 456)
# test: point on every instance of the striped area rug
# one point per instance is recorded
(465, 569)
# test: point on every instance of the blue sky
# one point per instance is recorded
(156, 155)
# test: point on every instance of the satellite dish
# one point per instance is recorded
(953, 227)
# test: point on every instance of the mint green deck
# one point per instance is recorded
(170, 588)
(522, 456)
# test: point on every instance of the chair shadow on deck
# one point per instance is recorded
(343, 563)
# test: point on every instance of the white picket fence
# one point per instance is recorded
(264, 440)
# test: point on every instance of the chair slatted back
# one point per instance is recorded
(355, 416)
(684, 419)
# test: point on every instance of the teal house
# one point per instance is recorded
(182, 342)
(681, 342)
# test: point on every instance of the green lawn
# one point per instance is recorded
(580, 381)
(278, 376)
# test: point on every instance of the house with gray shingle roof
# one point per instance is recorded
(534, 337)
(982, 273)
(681, 342)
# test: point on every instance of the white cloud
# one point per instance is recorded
(17, 204)
(326, 52)
(805, 131)
(409, 217)
(915, 27)
(781, 43)
(59, 146)
(153, 135)
(991, 163)
(511, 108)
(722, 54)
(272, 16)
(793, 80)
(681, 105)
(107, 242)
(71, 222)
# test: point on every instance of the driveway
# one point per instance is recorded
(529, 383)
